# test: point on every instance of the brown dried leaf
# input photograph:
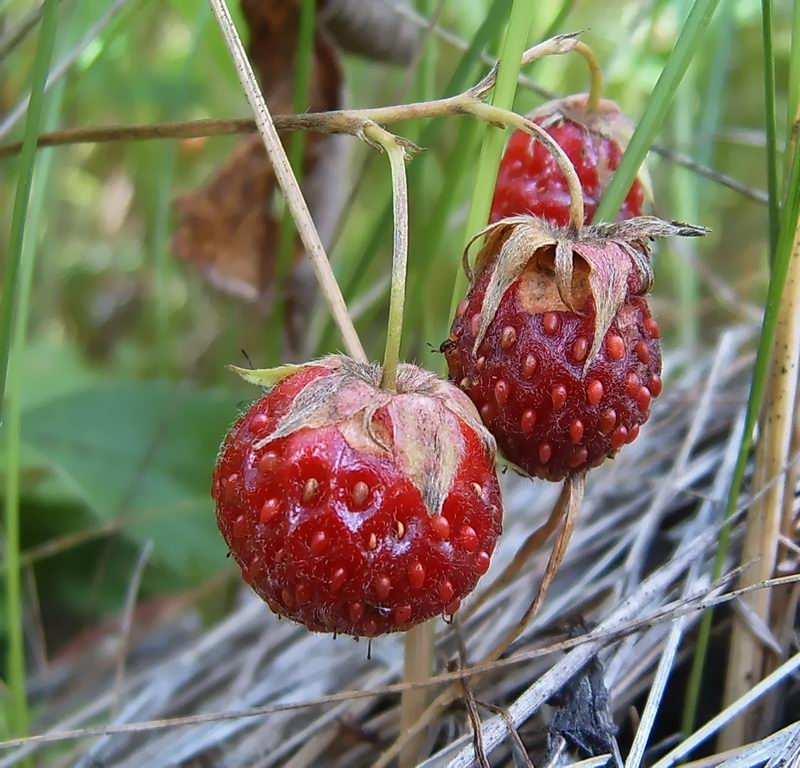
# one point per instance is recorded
(228, 228)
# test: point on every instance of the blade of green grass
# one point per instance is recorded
(780, 266)
(563, 14)
(16, 290)
(657, 107)
(723, 36)
(793, 95)
(160, 222)
(465, 74)
(684, 207)
(27, 155)
(516, 38)
(304, 57)
(771, 122)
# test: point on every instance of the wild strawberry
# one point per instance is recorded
(357, 510)
(529, 182)
(555, 344)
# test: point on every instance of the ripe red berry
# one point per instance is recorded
(356, 510)
(576, 381)
(529, 181)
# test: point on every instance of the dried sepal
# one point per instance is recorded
(521, 238)
(420, 430)
(616, 255)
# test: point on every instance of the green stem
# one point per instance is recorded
(771, 122)
(780, 268)
(517, 30)
(165, 343)
(793, 95)
(595, 75)
(657, 107)
(296, 151)
(397, 297)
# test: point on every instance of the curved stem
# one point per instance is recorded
(396, 150)
(504, 117)
(288, 183)
(595, 73)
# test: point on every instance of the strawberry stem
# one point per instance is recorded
(504, 117)
(397, 151)
(595, 73)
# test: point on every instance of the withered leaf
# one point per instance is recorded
(584, 719)
(228, 228)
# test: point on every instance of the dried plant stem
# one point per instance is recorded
(418, 647)
(288, 183)
(748, 655)
(565, 511)
(530, 546)
(567, 507)
(192, 129)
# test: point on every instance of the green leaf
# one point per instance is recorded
(145, 452)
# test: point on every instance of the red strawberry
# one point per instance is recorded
(530, 182)
(356, 510)
(555, 344)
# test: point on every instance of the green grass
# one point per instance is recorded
(771, 123)
(514, 45)
(649, 124)
(780, 266)
(13, 322)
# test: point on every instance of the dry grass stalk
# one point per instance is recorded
(749, 656)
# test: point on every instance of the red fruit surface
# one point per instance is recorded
(530, 182)
(548, 415)
(335, 535)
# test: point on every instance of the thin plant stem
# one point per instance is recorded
(771, 123)
(657, 107)
(458, 82)
(288, 183)
(297, 144)
(595, 76)
(396, 150)
(16, 290)
(778, 273)
(160, 227)
(517, 31)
